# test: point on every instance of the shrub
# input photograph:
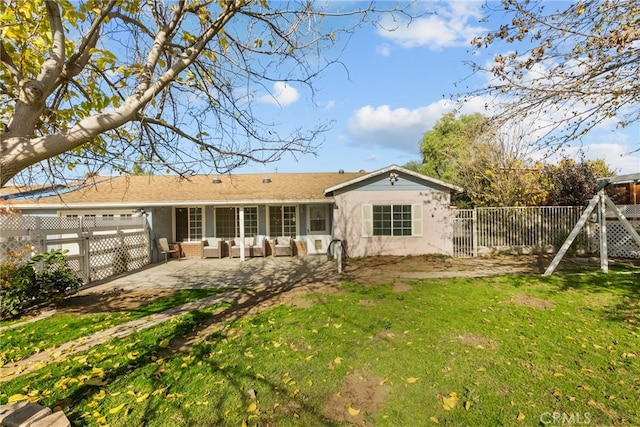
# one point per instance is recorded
(44, 278)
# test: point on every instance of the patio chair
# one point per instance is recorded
(234, 247)
(166, 249)
(259, 247)
(212, 247)
(283, 246)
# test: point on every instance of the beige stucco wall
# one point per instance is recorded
(437, 227)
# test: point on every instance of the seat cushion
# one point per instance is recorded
(213, 241)
(283, 240)
(259, 240)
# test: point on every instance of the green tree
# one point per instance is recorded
(111, 82)
(573, 67)
(443, 146)
(489, 163)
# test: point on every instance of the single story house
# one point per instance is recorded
(391, 211)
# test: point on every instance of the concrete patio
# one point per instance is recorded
(196, 273)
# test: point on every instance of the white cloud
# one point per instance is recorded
(384, 49)
(281, 95)
(452, 25)
(616, 156)
(399, 128)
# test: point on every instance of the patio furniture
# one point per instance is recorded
(212, 247)
(283, 246)
(165, 248)
(259, 246)
(234, 247)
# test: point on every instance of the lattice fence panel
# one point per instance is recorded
(99, 247)
(115, 254)
(619, 243)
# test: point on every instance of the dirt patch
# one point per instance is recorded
(475, 340)
(109, 301)
(533, 302)
(360, 399)
(397, 269)
(401, 287)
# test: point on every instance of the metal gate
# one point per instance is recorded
(465, 236)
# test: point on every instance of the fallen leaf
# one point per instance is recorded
(252, 407)
(17, 398)
(142, 398)
(353, 412)
(450, 401)
(412, 380)
(520, 416)
(337, 360)
(434, 420)
(116, 409)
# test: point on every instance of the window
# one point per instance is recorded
(391, 220)
(401, 220)
(227, 222)
(317, 218)
(282, 221)
(188, 224)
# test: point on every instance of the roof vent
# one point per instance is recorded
(266, 180)
(216, 180)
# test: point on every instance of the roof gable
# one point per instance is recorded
(393, 172)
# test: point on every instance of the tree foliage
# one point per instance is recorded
(569, 70)
(446, 144)
(571, 183)
(112, 82)
(489, 163)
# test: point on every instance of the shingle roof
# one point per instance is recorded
(170, 190)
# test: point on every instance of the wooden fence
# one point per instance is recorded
(98, 246)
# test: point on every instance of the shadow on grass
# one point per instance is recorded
(260, 289)
(626, 285)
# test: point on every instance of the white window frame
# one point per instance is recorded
(189, 227)
(416, 219)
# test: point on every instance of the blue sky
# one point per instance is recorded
(397, 86)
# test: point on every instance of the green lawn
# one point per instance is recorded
(29, 338)
(510, 350)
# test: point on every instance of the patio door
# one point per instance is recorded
(318, 234)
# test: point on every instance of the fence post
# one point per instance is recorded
(474, 231)
(604, 261)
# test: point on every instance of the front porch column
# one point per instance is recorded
(241, 219)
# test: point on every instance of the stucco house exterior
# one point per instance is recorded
(391, 211)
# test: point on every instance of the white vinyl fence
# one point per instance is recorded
(98, 246)
(520, 230)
